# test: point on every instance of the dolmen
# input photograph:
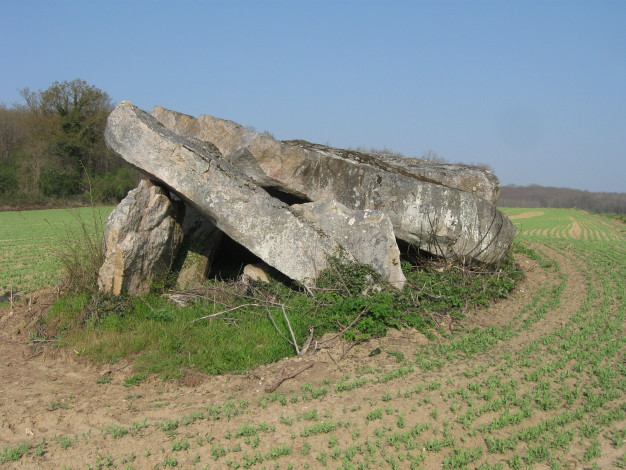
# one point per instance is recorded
(293, 204)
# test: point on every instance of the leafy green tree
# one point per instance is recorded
(56, 181)
(53, 145)
(72, 116)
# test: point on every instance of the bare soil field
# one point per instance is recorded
(537, 380)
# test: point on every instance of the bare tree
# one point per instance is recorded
(11, 130)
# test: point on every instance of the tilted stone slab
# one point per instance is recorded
(445, 221)
(367, 235)
(197, 172)
(142, 238)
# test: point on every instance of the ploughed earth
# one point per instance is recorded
(54, 394)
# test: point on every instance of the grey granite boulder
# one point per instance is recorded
(142, 238)
(443, 220)
(472, 179)
(256, 272)
(233, 139)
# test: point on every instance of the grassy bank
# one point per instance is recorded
(231, 327)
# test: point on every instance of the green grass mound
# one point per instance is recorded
(231, 327)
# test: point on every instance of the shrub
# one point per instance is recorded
(8, 180)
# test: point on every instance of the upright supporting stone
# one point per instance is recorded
(197, 252)
(142, 238)
(367, 235)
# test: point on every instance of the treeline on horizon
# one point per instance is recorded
(547, 196)
(52, 149)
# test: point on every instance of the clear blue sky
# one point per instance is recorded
(536, 89)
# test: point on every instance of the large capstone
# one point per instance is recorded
(446, 216)
(473, 179)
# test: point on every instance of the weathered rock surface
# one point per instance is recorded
(365, 234)
(220, 192)
(142, 237)
(479, 181)
(442, 220)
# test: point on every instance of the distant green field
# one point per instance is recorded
(30, 241)
(564, 223)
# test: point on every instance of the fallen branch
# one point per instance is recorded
(213, 315)
(271, 387)
(293, 336)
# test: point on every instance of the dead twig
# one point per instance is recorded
(358, 317)
(271, 387)
(29, 341)
(269, 314)
(353, 344)
(292, 341)
(38, 352)
(307, 343)
(422, 290)
(333, 359)
(224, 291)
(308, 290)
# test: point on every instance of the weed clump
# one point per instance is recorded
(354, 299)
(355, 295)
(81, 253)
